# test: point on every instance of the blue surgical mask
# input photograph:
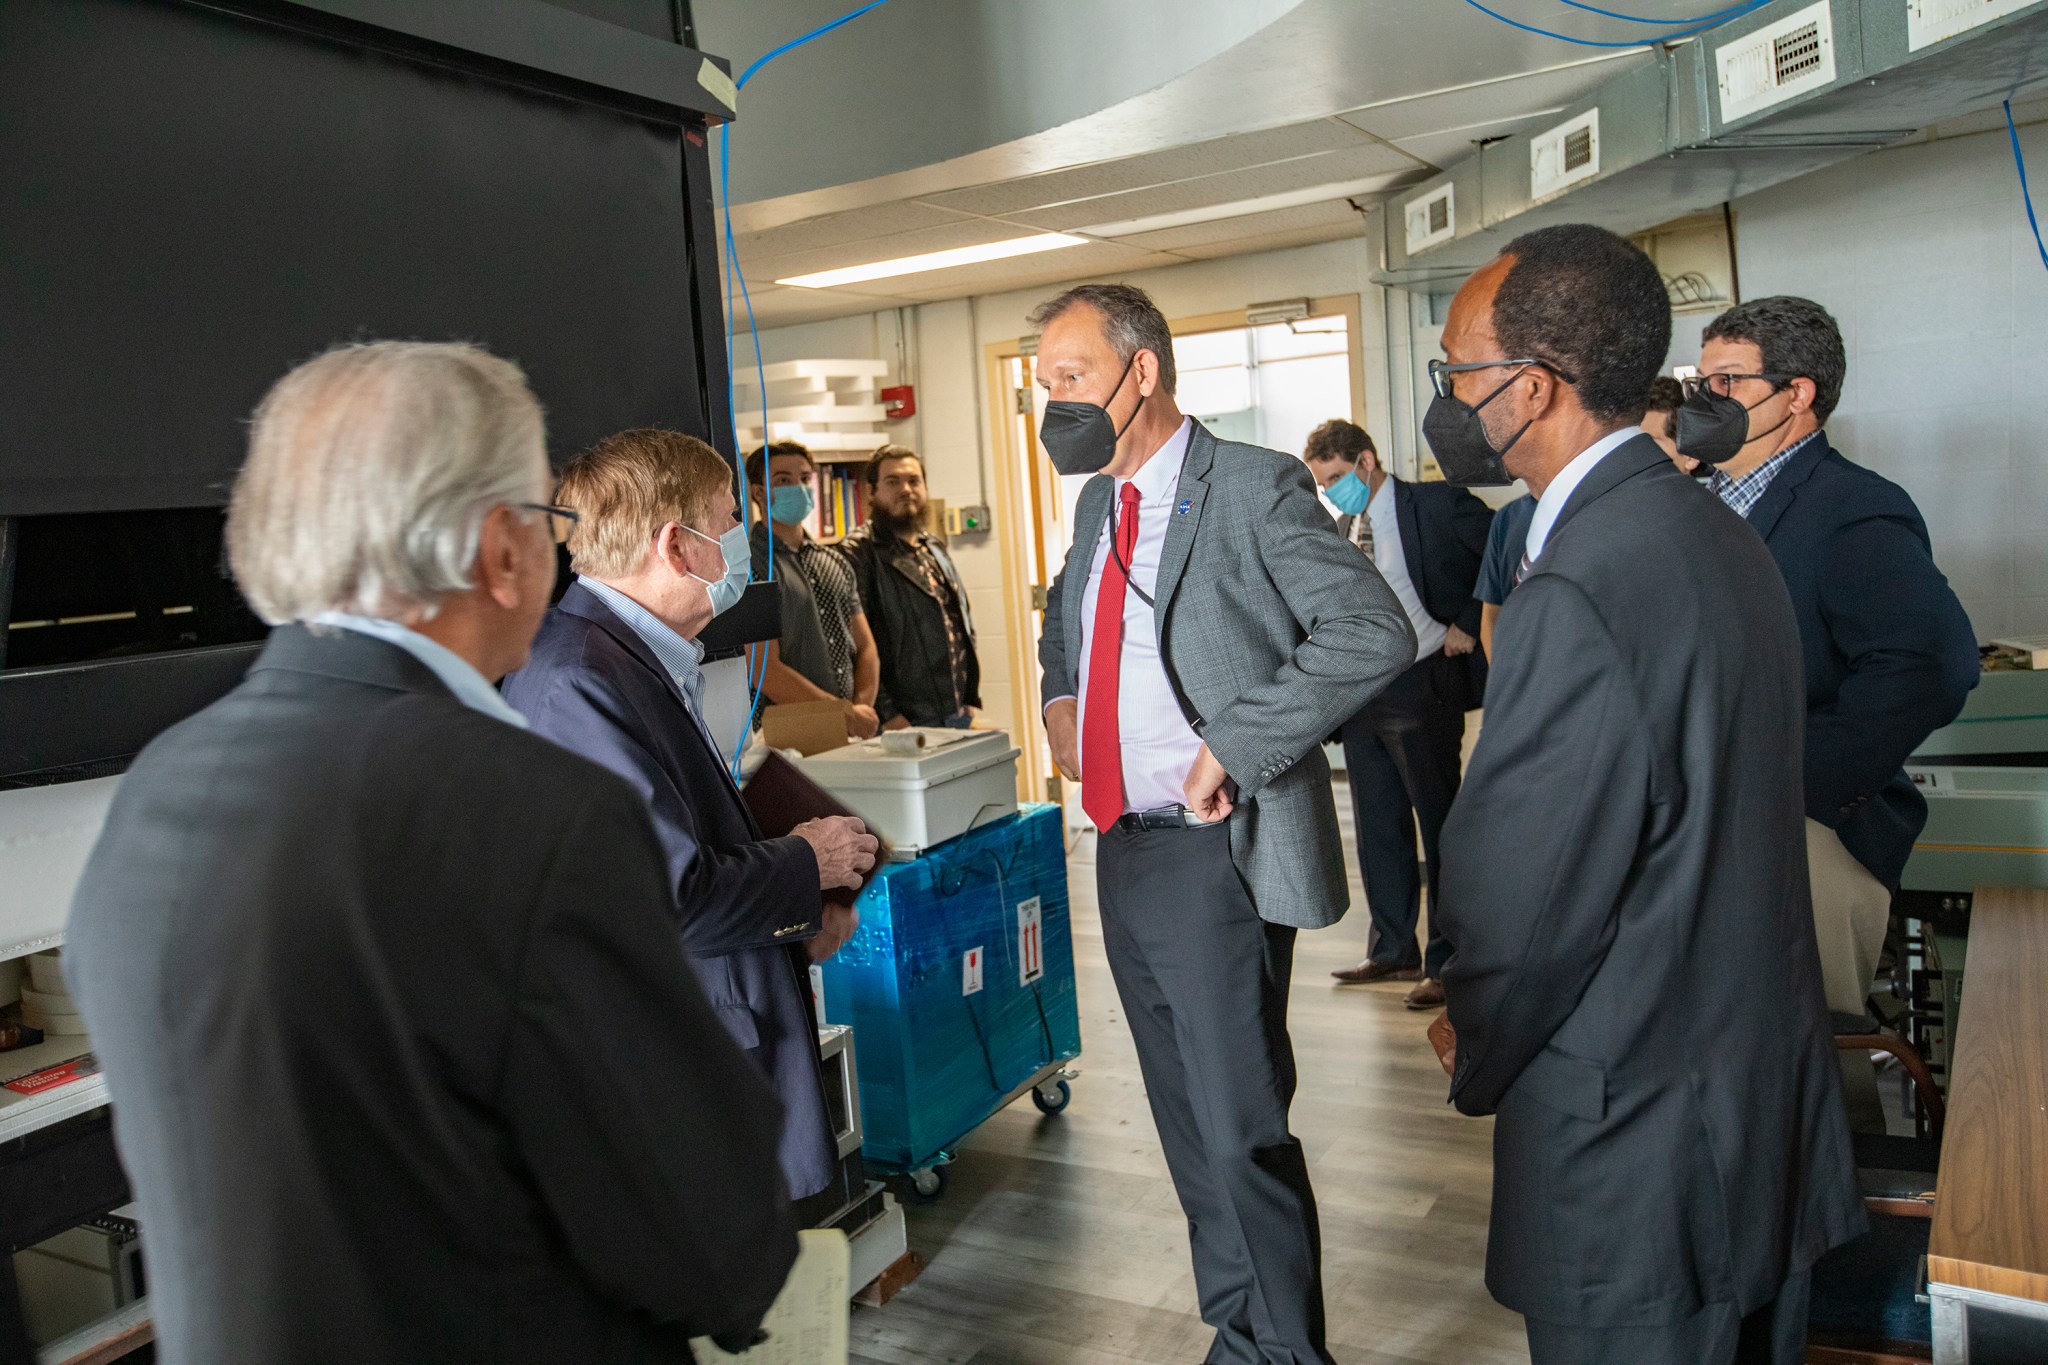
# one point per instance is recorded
(1349, 494)
(739, 564)
(791, 504)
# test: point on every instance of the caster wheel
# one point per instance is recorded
(1051, 1098)
(928, 1186)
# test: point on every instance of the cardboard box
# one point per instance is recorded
(809, 727)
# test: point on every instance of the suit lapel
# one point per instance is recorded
(1185, 519)
(579, 601)
(1091, 513)
(1779, 496)
(1406, 516)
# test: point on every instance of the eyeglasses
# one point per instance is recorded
(1440, 371)
(569, 515)
(1720, 384)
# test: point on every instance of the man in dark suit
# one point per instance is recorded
(1198, 645)
(1404, 749)
(614, 676)
(1889, 652)
(406, 1062)
(1634, 983)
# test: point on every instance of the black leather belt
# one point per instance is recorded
(1161, 817)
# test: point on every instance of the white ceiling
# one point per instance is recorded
(1276, 142)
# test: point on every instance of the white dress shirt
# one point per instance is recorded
(456, 673)
(1159, 746)
(1392, 559)
(1565, 484)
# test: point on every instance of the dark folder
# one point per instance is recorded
(781, 798)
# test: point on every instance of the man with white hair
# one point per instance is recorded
(407, 1061)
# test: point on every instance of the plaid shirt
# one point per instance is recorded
(1743, 494)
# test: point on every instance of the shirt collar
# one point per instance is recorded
(681, 657)
(1742, 494)
(1551, 504)
(456, 673)
(1159, 476)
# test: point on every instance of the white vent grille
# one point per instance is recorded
(1431, 218)
(1776, 62)
(1930, 21)
(1563, 156)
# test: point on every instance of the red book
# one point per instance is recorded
(50, 1077)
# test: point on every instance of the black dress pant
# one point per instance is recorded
(1203, 982)
(1774, 1334)
(1402, 757)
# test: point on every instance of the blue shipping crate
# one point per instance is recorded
(959, 985)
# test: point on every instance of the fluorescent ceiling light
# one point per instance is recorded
(1244, 208)
(935, 260)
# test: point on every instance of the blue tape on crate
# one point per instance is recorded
(936, 1059)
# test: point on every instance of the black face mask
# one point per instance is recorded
(1457, 437)
(1080, 438)
(1713, 429)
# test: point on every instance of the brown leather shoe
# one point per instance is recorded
(1428, 995)
(1369, 971)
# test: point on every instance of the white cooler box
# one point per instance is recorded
(959, 780)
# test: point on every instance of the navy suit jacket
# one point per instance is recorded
(1443, 541)
(1890, 655)
(745, 905)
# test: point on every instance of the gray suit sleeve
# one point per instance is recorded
(1056, 672)
(1358, 638)
(650, 1136)
(1544, 836)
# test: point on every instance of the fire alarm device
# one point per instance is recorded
(899, 402)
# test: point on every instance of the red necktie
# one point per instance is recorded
(1102, 760)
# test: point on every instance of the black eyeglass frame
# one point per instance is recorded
(554, 509)
(1693, 383)
(1440, 372)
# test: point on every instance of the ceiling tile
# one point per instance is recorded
(1332, 213)
(1024, 272)
(1275, 241)
(1154, 168)
(958, 233)
(1364, 161)
(839, 229)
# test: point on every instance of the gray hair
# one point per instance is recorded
(1130, 320)
(371, 469)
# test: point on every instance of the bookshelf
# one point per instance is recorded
(830, 407)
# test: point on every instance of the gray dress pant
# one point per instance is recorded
(1204, 987)
(1774, 1334)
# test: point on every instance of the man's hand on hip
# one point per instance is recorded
(1207, 788)
(1062, 732)
(844, 848)
(1444, 1039)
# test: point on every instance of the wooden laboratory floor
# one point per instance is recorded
(1059, 1241)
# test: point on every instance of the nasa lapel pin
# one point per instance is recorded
(1185, 504)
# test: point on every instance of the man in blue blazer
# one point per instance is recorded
(1889, 653)
(1403, 752)
(659, 549)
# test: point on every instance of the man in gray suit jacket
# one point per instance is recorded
(1197, 648)
(1634, 982)
(405, 1059)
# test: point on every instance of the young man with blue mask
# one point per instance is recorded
(658, 550)
(1403, 750)
(826, 651)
